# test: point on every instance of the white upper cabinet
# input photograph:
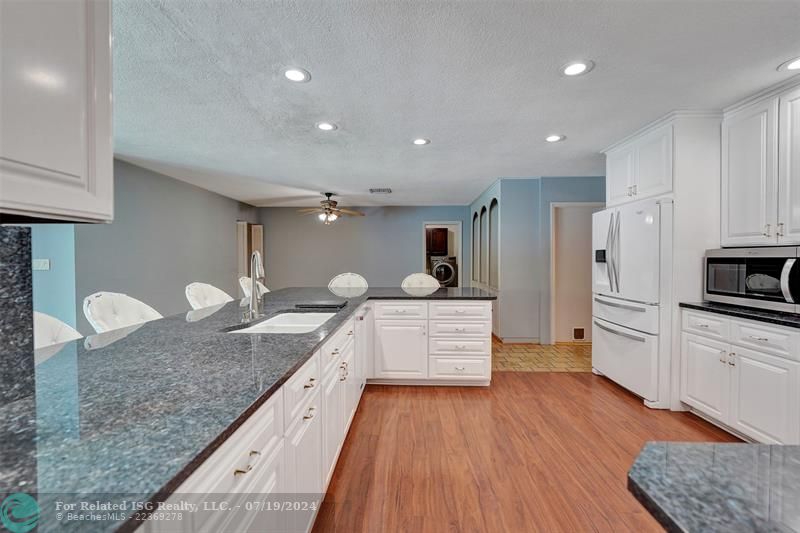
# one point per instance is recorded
(654, 164)
(640, 168)
(789, 168)
(749, 175)
(761, 171)
(56, 155)
(619, 175)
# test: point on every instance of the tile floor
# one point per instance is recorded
(541, 357)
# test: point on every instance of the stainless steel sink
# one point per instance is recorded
(289, 323)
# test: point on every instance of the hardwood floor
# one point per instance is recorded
(533, 452)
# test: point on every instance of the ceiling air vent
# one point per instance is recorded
(381, 190)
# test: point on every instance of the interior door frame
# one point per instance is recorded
(553, 207)
(459, 243)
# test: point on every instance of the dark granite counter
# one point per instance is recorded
(719, 487)
(762, 315)
(132, 412)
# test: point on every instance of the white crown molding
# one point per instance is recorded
(666, 119)
(769, 92)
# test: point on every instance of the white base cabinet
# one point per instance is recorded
(753, 391)
(436, 342)
(291, 444)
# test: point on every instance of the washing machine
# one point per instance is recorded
(445, 270)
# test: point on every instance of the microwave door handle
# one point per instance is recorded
(785, 289)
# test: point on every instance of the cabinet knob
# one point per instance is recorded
(310, 413)
(780, 229)
(310, 384)
(732, 361)
(722, 355)
(767, 230)
(254, 453)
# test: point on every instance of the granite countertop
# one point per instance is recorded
(719, 487)
(134, 411)
(791, 320)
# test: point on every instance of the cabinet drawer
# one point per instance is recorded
(784, 342)
(441, 328)
(395, 310)
(301, 386)
(231, 468)
(466, 368)
(706, 324)
(333, 350)
(460, 346)
(461, 310)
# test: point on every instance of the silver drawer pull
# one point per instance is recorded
(704, 326)
(310, 414)
(760, 339)
(620, 333)
(254, 452)
(240, 472)
(460, 311)
(461, 329)
(461, 347)
(335, 352)
(310, 384)
(460, 368)
(349, 332)
(621, 306)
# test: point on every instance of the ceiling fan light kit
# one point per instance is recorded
(328, 211)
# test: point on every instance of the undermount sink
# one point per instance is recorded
(289, 323)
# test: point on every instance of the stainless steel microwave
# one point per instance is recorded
(767, 278)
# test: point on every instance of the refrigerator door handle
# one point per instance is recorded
(616, 250)
(610, 253)
(620, 333)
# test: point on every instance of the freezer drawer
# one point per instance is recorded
(627, 357)
(641, 317)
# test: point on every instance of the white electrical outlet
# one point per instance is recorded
(41, 264)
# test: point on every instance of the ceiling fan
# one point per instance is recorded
(328, 212)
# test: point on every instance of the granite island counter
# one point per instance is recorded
(707, 487)
(131, 413)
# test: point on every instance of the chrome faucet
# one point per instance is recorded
(256, 271)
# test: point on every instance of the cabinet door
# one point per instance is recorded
(765, 395)
(749, 175)
(364, 329)
(401, 349)
(705, 378)
(56, 154)
(789, 168)
(333, 422)
(304, 464)
(619, 175)
(352, 390)
(653, 175)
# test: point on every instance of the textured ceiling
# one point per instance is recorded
(200, 95)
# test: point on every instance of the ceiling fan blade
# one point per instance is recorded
(310, 210)
(351, 212)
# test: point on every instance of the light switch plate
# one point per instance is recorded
(41, 264)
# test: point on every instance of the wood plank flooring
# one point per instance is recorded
(533, 452)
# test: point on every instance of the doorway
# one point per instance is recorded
(441, 252)
(571, 272)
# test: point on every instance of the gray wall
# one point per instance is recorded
(384, 246)
(165, 234)
(54, 289)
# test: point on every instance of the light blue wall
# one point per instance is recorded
(54, 289)
(522, 311)
(384, 246)
(577, 189)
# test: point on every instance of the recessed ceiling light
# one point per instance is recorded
(298, 75)
(576, 68)
(327, 126)
(422, 142)
(554, 138)
(792, 64)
